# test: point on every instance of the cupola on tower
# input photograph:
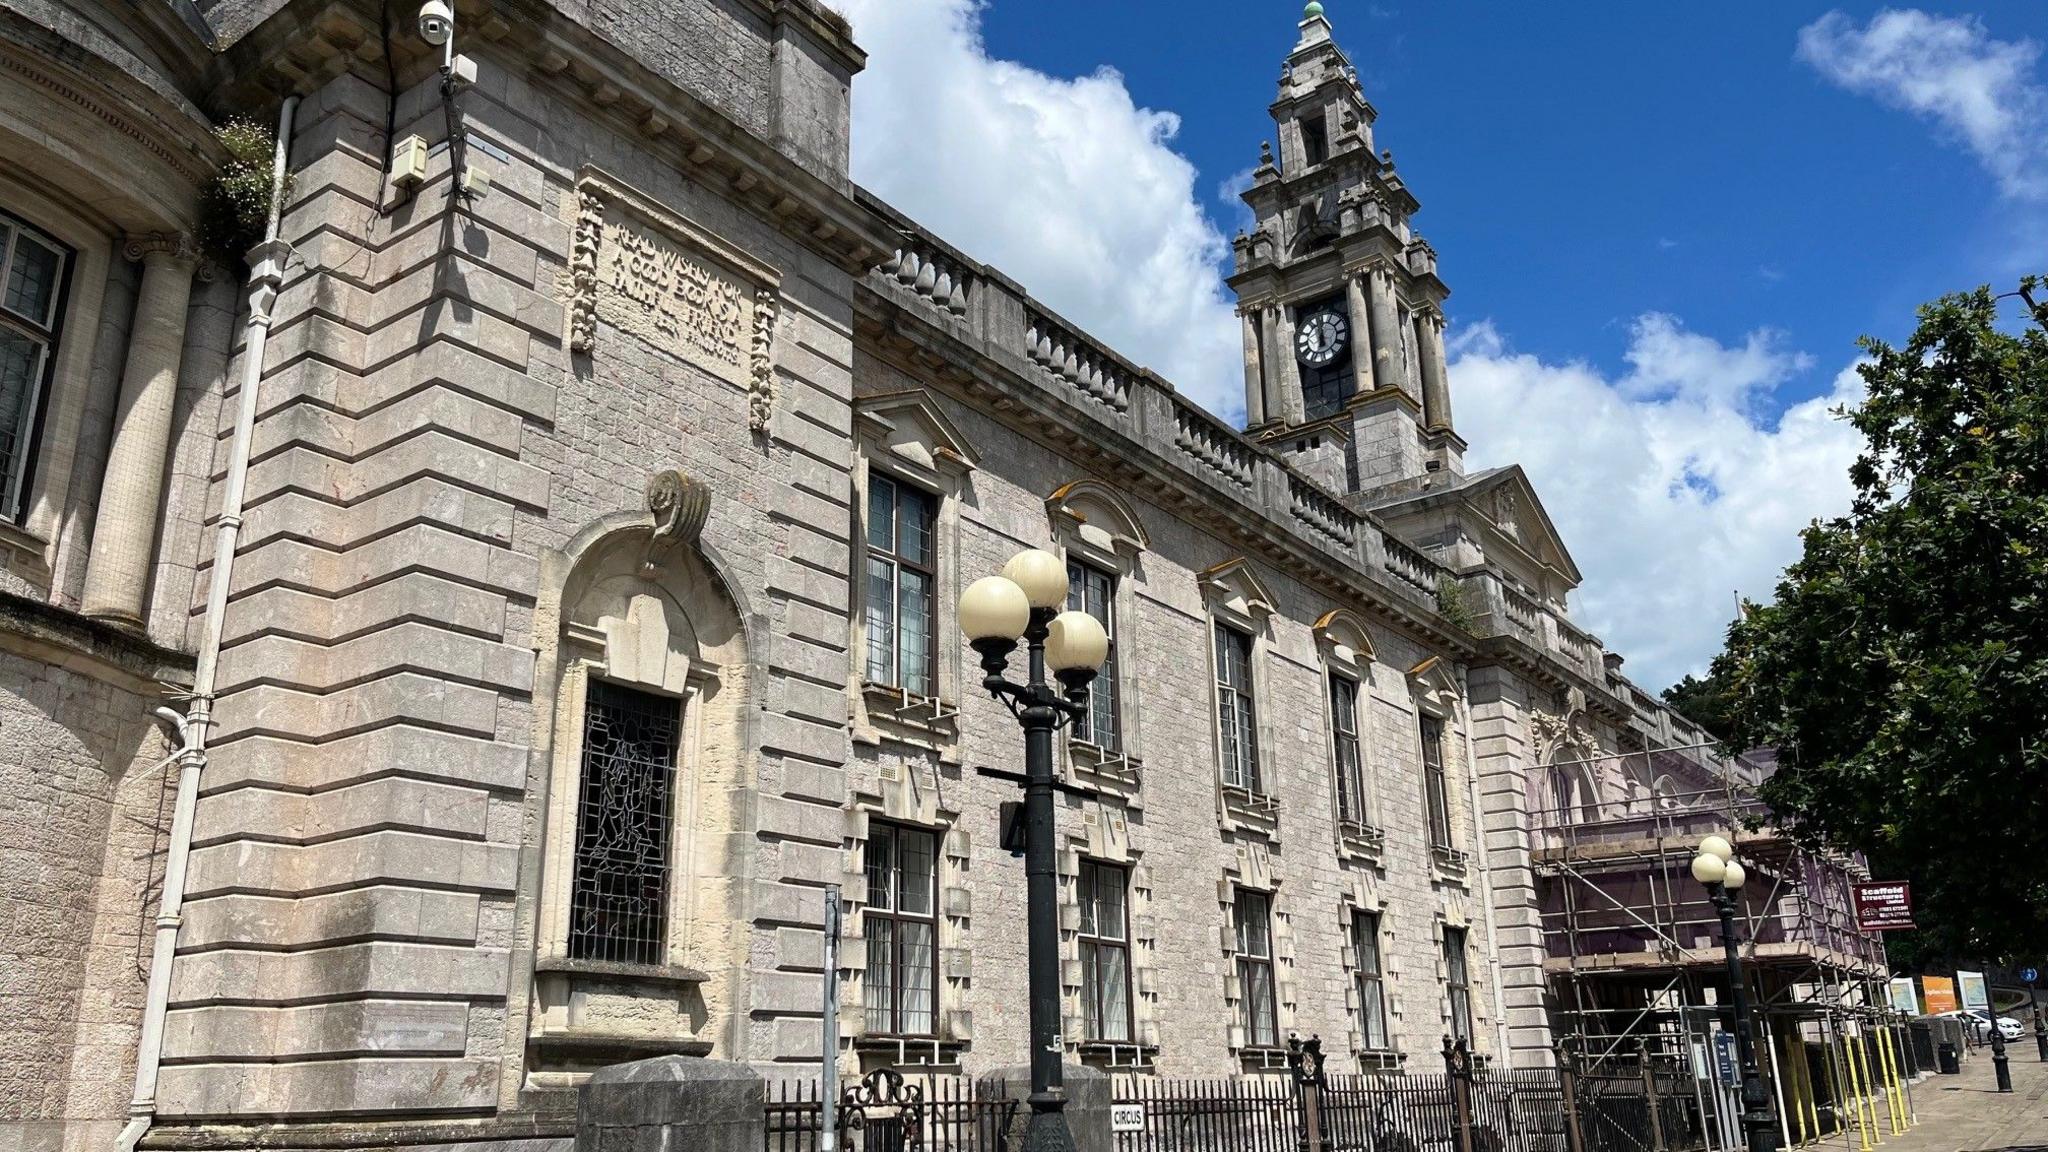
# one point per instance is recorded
(1340, 301)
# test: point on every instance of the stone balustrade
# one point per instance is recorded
(1093, 370)
(1322, 512)
(1072, 374)
(1216, 447)
(1410, 566)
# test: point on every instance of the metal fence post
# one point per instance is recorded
(1650, 1098)
(1568, 1089)
(1458, 1073)
(1305, 1060)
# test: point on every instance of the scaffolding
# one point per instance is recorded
(1636, 971)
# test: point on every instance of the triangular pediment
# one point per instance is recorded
(1508, 504)
(908, 425)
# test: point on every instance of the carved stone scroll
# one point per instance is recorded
(644, 271)
(680, 504)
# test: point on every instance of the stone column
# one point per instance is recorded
(131, 496)
(1292, 407)
(1361, 333)
(1388, 367)
(1254, 376)
(1436, 391)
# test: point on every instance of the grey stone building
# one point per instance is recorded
(546, 550)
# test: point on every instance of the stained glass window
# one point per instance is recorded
(619, 903)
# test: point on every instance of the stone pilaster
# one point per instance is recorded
(1361, 331)
(1292, 408)
(131, 497)
(1436, 389)
(1254, 373)
(1388, 366)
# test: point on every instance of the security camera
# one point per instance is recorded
(437, 22)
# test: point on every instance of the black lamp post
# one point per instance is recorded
(1716, 868)
(995, 613)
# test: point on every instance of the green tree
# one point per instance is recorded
(1708, 701)
(1903, 669)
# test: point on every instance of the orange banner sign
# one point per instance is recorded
(1938, 993)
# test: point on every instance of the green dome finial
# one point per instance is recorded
(1314, 9)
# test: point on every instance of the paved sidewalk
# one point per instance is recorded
(1967, 1113)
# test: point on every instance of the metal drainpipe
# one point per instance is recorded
(266, 272)
(1500, 1007)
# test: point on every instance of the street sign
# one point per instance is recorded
(1126, 1117)
(2030, 975)
(1884, 906)
(1724, 1058)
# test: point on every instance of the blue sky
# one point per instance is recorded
(1664, 225)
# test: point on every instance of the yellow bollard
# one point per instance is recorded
(1891, 1081)
(1856, 1091)
(1790, 1061)
(1870, 1088)
(1806, 1082)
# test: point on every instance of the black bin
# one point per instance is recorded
(1950, 1066)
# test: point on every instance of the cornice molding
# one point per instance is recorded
(71, 89)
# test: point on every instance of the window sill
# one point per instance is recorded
(1251, 811)
(1361, 841)
(1124, 1054)
(894, 713)
(1450, 860)
(1380, 1060)
(910, 1051)
(28, 551)
(1103, 769)
(1262, 1059)
(597, 1049)
(621, 970)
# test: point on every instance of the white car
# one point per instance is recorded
(1978, 1021)
(2008, 1027)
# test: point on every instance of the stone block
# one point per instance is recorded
(1087, 1110)
(672, 1102)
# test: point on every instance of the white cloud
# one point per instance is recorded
(1670, 489)
(1066, 185)
(1949, 69)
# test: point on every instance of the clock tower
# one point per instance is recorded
(1341, 305)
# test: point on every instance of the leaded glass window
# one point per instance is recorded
(1346, 750)
(32, 268)
(901, 927)
(619, 901)
(1435, 785)
(1257, 1010)
(1091, 590)
(1458, 982)
(1105, 952)
(902, 569)
(1236, 717)
(1369, 977)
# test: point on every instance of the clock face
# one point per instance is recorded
(1321, 338)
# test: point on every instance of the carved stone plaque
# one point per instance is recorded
(648, 272)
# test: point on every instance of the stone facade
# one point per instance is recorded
(606, 404)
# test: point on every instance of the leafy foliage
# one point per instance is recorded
(1707, 701)
(1903, 669)
(234, 208)
(1450, 600)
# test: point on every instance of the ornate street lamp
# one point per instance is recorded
(995, 613)
(1716, 868)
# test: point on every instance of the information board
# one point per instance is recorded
(1939, 993)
